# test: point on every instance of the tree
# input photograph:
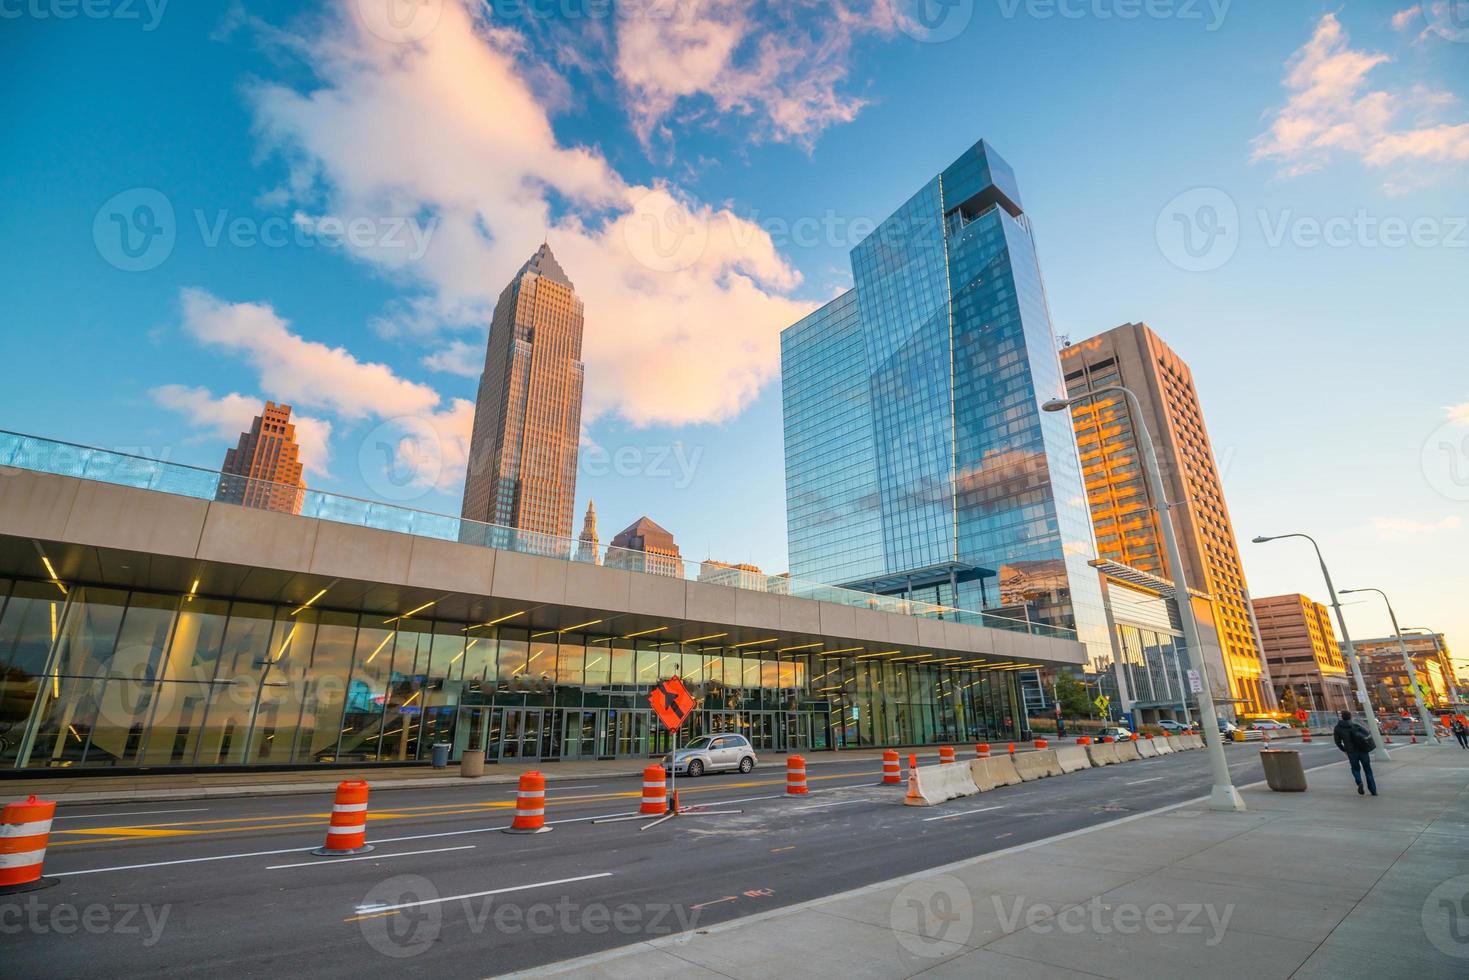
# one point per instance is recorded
(1288, 701)
(1071, 694)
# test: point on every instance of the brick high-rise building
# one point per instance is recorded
(264, 469)
(527, 415)
(1121, 504)
(1303, 654)
(1387, 678)
(643, 546)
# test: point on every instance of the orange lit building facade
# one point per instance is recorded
(264, 468)
(1121, 504)
(1303, 653)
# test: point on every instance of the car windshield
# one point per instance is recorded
(702, 742)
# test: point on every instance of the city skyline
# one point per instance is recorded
(216, 329)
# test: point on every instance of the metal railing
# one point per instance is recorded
(43, 455)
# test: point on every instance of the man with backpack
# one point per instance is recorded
(1357, 743)
(1461, 732)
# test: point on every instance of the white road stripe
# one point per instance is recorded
(368, 857)
(963, 813)
(364, 909)
(1139, 782)
(130, 813)
(819, 806)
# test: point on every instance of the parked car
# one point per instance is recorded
(712, 753)
(1117, 733)
(1172, 727)
(1269, 725)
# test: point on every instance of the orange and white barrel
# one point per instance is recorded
(1041, 743)
(796, 776)
(655, 792)
(25, 827)
(530, 805)
(982, 750)
(946, 754)
(892, 772)
(347, 832)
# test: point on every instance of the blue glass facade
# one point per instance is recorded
(962, 491)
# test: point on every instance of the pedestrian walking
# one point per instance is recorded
(1351, 738)
(1461, 732)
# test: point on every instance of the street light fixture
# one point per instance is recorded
(1223, 796)
(1380, 753)
(1423, 714)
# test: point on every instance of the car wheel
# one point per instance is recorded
(696, 768)
(747, 764)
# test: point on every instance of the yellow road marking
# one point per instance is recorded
(371, 915)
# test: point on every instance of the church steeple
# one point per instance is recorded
(587, 544)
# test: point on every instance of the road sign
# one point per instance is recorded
(671, 702)
(1102, 702)
(1195, 683)
(1301, 715)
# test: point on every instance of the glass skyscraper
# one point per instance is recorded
(918, 459)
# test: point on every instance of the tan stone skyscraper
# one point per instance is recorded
(588, 545)
(527, 417)
(264, 469)
(1126, 527)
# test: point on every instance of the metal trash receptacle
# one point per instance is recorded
(1283, 771)
(441, 755)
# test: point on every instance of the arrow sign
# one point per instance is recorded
(671, 702)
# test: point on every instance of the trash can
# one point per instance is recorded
(472, 763)
(1283, 772)
(441, 755)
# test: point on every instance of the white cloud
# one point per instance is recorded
(1404, 19)
(1390, 528)
(450, 127)
(456, 357)
(1458, 413)
(225, 417)
(1331, 110)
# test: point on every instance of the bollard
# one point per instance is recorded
(1414, 738)
(25, 828)
(946, 754)
(347, 832)
(982, 750)
(530, 805)
(655, 792)
(1041, 743)
(796, 776)
(892, 772)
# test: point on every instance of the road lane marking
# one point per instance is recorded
(132, 813)
(379, 909)
(369, 857)
(717, 901)
(819, 806)
(1139, 782)
(963, 813)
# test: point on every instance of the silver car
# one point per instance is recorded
(712, 753)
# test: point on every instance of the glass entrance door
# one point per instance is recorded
(579, 735)
(520, 736)
(632, 732)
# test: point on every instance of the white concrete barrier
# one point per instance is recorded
(928, 785)
(1146, 749)
(995, 771)
(1037, 764)
(1194, 741)
(1102, 753)
(1127, 751)
(1073, 758)
(1164, 745)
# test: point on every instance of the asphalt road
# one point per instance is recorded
(229, 887)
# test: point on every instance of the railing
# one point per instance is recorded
(105, 466)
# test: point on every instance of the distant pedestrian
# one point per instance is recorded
(1357, 743)
(1461, 732)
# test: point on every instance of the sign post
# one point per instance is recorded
(672, 704)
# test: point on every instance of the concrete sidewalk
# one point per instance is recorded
(165, 786)
(1324, 883)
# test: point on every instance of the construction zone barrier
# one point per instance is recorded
(986, 774)
(1084, 740)
(1146, 749)
(946, 755)
(25, 828)
(1012, 748)
(796, 775)
(347, 832)
(982, 750)
(1037, 764)
(1164, 745)
(1073, 758)
(655, 792)
(892, 769)
(1126, 751)
(530, 806)
(1195, 741)
(1041, 743)
(1305, 734)
(928, 785)
(1104, 754)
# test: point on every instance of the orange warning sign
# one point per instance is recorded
(671, 702)
(1301, 715)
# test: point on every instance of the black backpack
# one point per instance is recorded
(1359, 738)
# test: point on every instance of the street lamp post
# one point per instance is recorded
(1380, 753)
(1438, 652)
(1223, 796)
(1423, 714)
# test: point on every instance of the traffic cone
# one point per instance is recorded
(892, 773)
(796, 776)
(912, 762)
(347, 832)
(1305, 734)
(1041, 743)
(1012, 748)
(24, 830)
(1413, 738)
(530, 805)
(946, 754)
(655, 792)
(982, 750)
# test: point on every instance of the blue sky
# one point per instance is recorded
(341, 194)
